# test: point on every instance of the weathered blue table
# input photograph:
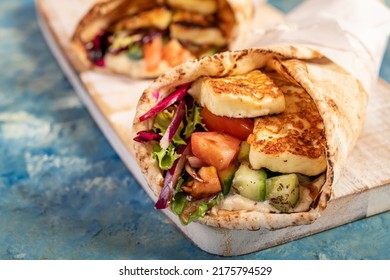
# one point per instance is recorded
(65, 194)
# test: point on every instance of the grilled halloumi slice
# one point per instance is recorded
(191, 18)
(292, 141)
(159, 18)
(198, 35)
(198, 6)
(242, 96)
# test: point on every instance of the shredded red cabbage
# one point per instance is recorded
(177, 95)
(146, 136)
(98, 47)
(174, 125)
(171, 178)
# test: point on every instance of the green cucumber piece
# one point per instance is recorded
(243, 153)
(135, 52)
(283, 191)
(250, 183)
(226, 177)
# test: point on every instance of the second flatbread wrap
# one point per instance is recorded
(143, 39)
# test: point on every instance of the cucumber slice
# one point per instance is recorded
(243, 153)
(283, 191)
(226, 177)
(135, 52)
(250, 183)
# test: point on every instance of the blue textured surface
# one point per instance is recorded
(65, 194)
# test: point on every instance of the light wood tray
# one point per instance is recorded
(364, 190)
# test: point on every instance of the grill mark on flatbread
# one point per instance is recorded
(332, 104)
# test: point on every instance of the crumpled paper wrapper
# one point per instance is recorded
(351, 33)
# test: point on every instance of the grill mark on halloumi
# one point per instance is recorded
(198, 35)
(292, 141)
(242, 96)
(193, 19)
(199, 6)
(159, 18)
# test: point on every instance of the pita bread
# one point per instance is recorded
(339, 97)
(233, 18)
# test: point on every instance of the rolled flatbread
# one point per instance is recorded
(143, 39)
(307, 114)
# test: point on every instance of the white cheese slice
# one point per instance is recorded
(242, 96)
(159, 18)
(292, 141)
(198, 35)
(198, 6)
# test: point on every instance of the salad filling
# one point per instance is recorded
(163, 36)
(210, 161)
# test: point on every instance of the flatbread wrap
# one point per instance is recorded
(143, 39)
(248, 139)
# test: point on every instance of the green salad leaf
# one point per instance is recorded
(191, 210)
(179, 202)
(193, 119)
(165, 157)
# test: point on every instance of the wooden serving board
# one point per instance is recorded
(364, 190)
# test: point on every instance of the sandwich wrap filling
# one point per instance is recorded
(339, 98)
(143, 39)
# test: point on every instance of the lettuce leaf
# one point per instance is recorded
(165, 157)
(178, 203)
(189, 211)
(193, 119)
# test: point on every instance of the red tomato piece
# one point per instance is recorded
(215, 148)
(239, 128)
(153, 53)
(174, 53)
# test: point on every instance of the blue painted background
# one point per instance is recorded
(65, 194)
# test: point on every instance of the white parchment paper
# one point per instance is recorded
(352, 33)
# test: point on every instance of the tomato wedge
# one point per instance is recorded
(239, 128)
(153, 53)
(215, 148)
(174, 53)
